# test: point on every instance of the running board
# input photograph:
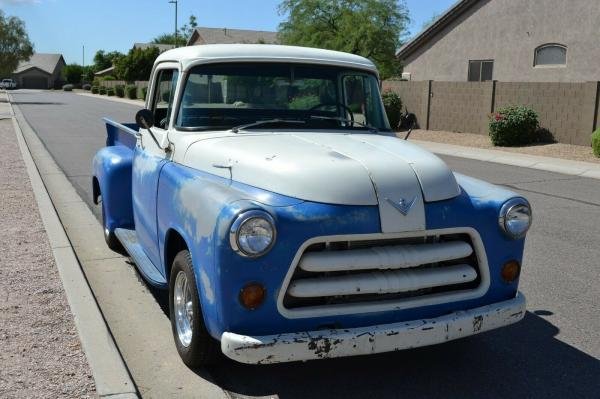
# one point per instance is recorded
(129, 240)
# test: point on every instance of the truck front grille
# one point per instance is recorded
(334, 273)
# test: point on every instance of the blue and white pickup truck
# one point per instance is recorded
(263, 188)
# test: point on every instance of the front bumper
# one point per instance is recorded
(372, 339)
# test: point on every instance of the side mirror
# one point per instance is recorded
(144, 118)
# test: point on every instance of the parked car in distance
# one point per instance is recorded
(8, 84)
(264, 189)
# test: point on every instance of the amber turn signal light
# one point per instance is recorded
(252, 295)
(510, 271)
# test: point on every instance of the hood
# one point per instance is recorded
(333, 168)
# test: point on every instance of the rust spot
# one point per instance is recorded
(477, 323)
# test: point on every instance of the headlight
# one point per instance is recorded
(515, 218)
(253, 233)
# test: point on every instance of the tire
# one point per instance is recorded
(109, 236)
(195, 345)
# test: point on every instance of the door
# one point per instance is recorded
(35, 82)
(149, 158)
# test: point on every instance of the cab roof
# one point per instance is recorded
(213, 53)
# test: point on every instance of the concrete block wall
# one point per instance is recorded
(414, 97)
(460, 107)
(567, 110)
(570, 111)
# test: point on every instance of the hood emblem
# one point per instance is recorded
(403, 206)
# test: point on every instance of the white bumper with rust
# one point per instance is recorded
(373, 339)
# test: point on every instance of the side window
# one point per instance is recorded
(162, 102)
(480, 71)
(361, 95)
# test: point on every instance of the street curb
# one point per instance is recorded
(108, 368)
(141, 103)
(549, 164)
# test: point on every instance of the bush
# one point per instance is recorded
(120, 91)
(393, 107)
(102, 90)
(110, 91)
(144, 92)
(68, 87)
(596, 143)
(95, 89)
(513, 126)
(87, 87)
(108, 77)
(131, 91)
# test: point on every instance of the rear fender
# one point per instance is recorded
(112, 172)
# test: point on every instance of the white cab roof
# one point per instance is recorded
(212, 53)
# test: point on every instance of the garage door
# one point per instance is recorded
(35, 82)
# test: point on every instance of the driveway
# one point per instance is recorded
(553, 352)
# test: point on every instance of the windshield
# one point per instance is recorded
(224, 96)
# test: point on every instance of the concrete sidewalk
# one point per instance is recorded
(564, 166)
(111, 98)
(105, 363)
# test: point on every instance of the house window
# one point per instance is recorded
(481, 70)
(550, 55)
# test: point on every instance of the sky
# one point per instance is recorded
(67, 26)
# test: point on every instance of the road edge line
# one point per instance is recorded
(108, 367)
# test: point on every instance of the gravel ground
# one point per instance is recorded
(556, 150)
(40, 355)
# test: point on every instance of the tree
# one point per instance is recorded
(137, 64)
(183, 34)
(371, 28)
(14, 44)
(72, 73)
(104, 60)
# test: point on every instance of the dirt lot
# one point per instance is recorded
(40, 356)
(556, 150)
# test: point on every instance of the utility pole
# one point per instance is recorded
(175, 2)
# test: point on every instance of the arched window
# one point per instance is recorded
(550, 55)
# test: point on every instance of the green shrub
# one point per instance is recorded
(68, 87)
(86, 87)
(110, 91)
(102, 90)
(95, 89)
(108, 77)
(144, 93)
(393, 107)
(131, 92)
(513, 126)
(596, 143)
(120, 91)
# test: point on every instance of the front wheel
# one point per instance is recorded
(194, 344)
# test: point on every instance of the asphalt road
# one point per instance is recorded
(554, 352)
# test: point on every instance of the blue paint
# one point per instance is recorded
(145, 175)
(169, 198)
(112, 169)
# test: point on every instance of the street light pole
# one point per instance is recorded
(175, 2)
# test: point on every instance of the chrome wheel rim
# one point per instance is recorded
(184, 312)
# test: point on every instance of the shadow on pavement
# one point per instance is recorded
(36, 103)
(523, 360)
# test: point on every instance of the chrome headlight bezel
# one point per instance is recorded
(240, 221)
(510, 206)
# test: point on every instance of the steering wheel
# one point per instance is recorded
(337, 105)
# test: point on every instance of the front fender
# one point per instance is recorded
(112, 171)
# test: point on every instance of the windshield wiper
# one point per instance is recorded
(372, 129)
(236, 129)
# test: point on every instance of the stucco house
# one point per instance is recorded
(508, 41)
(203, 35)
(41, 71)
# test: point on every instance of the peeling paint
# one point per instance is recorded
(206, 287)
